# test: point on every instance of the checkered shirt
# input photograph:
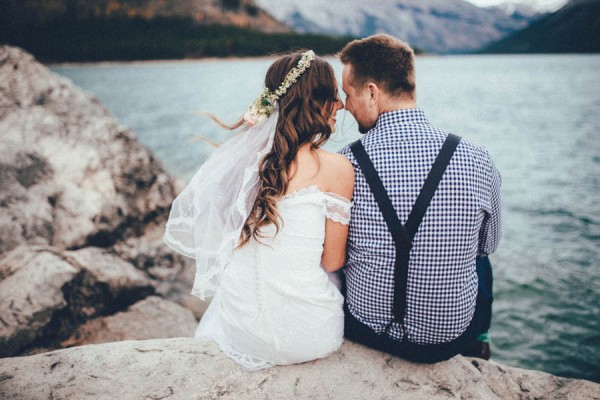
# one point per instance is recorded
(462, 221)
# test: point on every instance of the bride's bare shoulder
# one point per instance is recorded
(336, 160)
(338, 173)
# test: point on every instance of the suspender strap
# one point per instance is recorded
(431, 183)
(399, 233)
(403, 235)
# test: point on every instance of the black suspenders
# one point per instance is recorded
(403, 235)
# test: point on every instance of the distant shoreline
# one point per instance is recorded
(200, 59)
(273, 56)
(161, 61)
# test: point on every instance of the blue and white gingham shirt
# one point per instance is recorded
(462, 221)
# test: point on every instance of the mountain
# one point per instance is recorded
(239, 13)
(123, 30)
(540, 6)
(575, 28)
(441, 26)
(518, 9)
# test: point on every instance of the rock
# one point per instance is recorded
(116, 276)
(82, 211)
(106, 284)
(151, 318)
(24, 219)
(186, 368)
(46, 292)
(70, 176)
(172, 273)
(30, 294)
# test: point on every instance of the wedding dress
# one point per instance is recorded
(275, 304)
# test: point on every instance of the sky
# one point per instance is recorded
(547, 5)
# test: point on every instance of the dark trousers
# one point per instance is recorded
(358, 332)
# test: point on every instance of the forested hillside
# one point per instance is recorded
(100, 30)
(575, 28)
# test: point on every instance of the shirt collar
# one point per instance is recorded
(390, 123)
(403, 116)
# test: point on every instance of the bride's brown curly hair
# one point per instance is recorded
(303, 113)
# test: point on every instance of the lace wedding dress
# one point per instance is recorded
(275, 304)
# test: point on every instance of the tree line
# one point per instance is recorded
(125, 39)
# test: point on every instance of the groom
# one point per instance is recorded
(426, 214)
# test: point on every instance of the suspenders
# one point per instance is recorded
(403, 235)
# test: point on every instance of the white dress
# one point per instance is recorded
(275, 304)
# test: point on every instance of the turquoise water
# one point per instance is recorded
(538, 115)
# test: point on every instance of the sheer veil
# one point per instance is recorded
(206, 219)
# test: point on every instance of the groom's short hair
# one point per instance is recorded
(383, 59)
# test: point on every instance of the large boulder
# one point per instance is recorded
(70, 175)
(187, 368)
(83, 206)
(45, 293)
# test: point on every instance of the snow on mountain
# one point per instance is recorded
(441, 26)
(530, 9)
(540, 6)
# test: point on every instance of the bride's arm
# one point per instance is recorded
(340, 181)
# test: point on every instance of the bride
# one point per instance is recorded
(266, 217)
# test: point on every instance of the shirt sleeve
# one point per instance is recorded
(337, 208)
(491, 229)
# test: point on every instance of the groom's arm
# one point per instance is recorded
(491, 229)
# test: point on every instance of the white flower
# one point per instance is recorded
(260, 110)
(255, 116)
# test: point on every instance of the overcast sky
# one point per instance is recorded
(543, 4)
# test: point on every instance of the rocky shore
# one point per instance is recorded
(82, 210)
(94, 305)
(186, 368)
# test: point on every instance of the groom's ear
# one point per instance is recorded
(373, 91)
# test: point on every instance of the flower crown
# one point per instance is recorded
(264, 105)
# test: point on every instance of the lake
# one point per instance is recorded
(539, 115)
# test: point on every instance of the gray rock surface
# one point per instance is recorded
(185, 368)
(109, 271)
(30, 294)
(172, 274)
(70, 175)
(82, 212)
(46, 292)
(151, 318)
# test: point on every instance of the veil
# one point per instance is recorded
(206, 219)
